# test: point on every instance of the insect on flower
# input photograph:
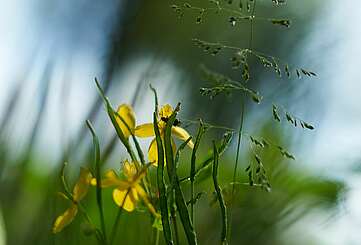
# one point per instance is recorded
(147, 130)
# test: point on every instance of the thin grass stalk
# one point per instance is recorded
(172, 200)
(139, 151)
(157, 237)
(179, 198)
(193, 166)
(119, 132)
(227, 139)
(98, 179)
(117, 219)
(97, 232)
(161, 185)
(184, 215)
(82, 210)
(173, 215)
(239, 144)
(220, 199)
(240, 131)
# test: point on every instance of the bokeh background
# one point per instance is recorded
(51, 51)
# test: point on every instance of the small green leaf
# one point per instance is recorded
(157, 224)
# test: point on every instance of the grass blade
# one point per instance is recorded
(172, 199)
(227, 139)
(161, 185)
(98, 178)
(219, 195)
(172, 171)
(112, 116)
(192, 175)
(184, 215)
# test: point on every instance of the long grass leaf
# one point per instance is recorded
(172, 171)
(161, 185)
(174, 180)
(184, 215)
(227, 139)
(98, 179)
(193, 165)
(219, 195)
(112, 116)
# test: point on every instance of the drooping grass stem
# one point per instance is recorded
(239, 144)
(98, 179)
(172, 174)
(220, 199)
(240, 131)
(117, 219)
(113, 115)
(161, 185)
(193, 167)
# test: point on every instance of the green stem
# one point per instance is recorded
(117, 219)
(157, 238)
(220, 198)
(97, 233)
(98, 179)
(161, 184)
(115, 226)
(240, 131)
(239, 144)
(193, 167)
(174, 218)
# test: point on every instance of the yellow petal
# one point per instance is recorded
(144, 130)
(111, 179)
(65, 219)
(145, 199)
(142, 172)
(126, 199)
(129, 169)
(182, 134)
(174, 147)
(127, 114)
(82, 185)
(153, 153)
(166, 111)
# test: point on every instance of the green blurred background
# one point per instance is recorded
(51, 51)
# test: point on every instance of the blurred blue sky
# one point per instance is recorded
(76, 36)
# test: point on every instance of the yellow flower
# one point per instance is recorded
(127, 192)
(127, 114)
(147, 130)
(79, 191)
